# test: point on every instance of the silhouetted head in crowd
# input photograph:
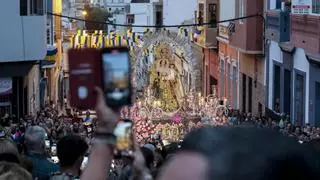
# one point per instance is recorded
(148, 156)
(13, 171)
(227, 153)
(71, 150)
(8, 146)
(35, 137)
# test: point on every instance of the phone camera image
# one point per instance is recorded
(47, 142)
(116, 69)
(53, 150)
(123, 133)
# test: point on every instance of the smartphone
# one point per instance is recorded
(84, 163)
(55, 159)
(89, 129)
(123, 133)
(84, 76)
(53, 150)
(47, 142)
(116, 76)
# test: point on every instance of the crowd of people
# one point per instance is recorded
(62, 146)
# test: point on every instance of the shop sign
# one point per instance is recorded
(301, 6)
(223, 31)
(5, 86)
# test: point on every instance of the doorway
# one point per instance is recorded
(317, 104)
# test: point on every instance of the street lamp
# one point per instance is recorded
(84, 13)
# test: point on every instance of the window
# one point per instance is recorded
(316, 6)
(23, 8)
(159, 18)
(130, 18)
(287, 92)
(200, 13)
(278, 4)
(276, 88)
(213, 15)
(250, 95)
(36, 7)
(228, 80)
(241, 9)
(244, 92)
(234, 87)
(221, 78)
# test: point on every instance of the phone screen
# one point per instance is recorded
(84, 163)
(55, 159)
(47, 142)
(116, 69)
(89, 129)
(53, 150)
(123, 133)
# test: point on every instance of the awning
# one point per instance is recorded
(16, 69)
(287, 47)
(315, 58)
(46, 64)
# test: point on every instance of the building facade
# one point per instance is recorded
(145, 12)
(118, 11)
(246, 36)
(207, 11)
(228, 64)
(294, 66)
(23, 46)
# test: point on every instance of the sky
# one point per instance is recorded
(119, 63)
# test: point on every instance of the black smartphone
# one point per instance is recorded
(116, 76)
(123, 133)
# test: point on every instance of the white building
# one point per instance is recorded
(97, 3)
(146, 12)
(292, 69)
(116, 5)
(173, 13)
(22, 46)
(118, 10)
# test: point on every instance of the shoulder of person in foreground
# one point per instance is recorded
(227, 153)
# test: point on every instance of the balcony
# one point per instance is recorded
(207, 38)
(278, 26)
(305, 32)
(247, 34)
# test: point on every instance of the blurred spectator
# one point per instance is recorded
(35, 144)
(237, 153)
(70, 150)
(12, 171)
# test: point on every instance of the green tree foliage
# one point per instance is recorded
(97, 15)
